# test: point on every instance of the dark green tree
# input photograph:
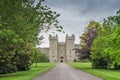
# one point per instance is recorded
(105, 49)
(20, 23)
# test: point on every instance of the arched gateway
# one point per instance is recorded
(61, 59)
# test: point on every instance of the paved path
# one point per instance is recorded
(65, 72)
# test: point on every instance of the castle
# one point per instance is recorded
(61, 51)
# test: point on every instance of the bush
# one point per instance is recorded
(8, 68)
(99, 63)
(116, 66)
(23, 58)
(43, 58)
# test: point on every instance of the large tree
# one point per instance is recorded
(20, 23)
(105, 49)
(87, 39)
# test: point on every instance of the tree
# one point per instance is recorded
(87, 38)
(20, 23)
(40, 57)
(105, 49)
(7, 51)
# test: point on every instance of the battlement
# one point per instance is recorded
(53, 37)
(70, 37)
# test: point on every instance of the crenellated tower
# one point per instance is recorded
(53, 49)
(69, 47)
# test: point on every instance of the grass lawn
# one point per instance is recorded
(28, 75)
(105, 74)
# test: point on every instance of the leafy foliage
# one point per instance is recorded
(20, 23)
(40, 57)
(87, 38)
(105, 49)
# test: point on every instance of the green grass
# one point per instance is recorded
(30, 74)
(103, 73)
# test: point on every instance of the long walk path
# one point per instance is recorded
(65, 72)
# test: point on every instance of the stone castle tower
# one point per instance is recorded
(61, 51)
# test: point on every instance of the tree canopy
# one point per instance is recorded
(87, 38)
(20, 23)
(105, 51)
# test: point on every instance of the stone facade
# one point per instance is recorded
(61, 51)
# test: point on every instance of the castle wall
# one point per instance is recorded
(62, 51)
(53, 49)
(69, 48)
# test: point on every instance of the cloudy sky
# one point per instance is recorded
(76, 14)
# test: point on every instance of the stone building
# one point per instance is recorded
(61, 51)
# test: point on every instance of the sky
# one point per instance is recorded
(76, 14)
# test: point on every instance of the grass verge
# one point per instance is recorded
(30, 74)
(103, 73)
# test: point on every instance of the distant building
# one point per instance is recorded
(61, 51)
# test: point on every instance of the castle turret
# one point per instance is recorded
(53, 42)
(69, 47)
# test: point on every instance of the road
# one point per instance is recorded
(65, 72)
